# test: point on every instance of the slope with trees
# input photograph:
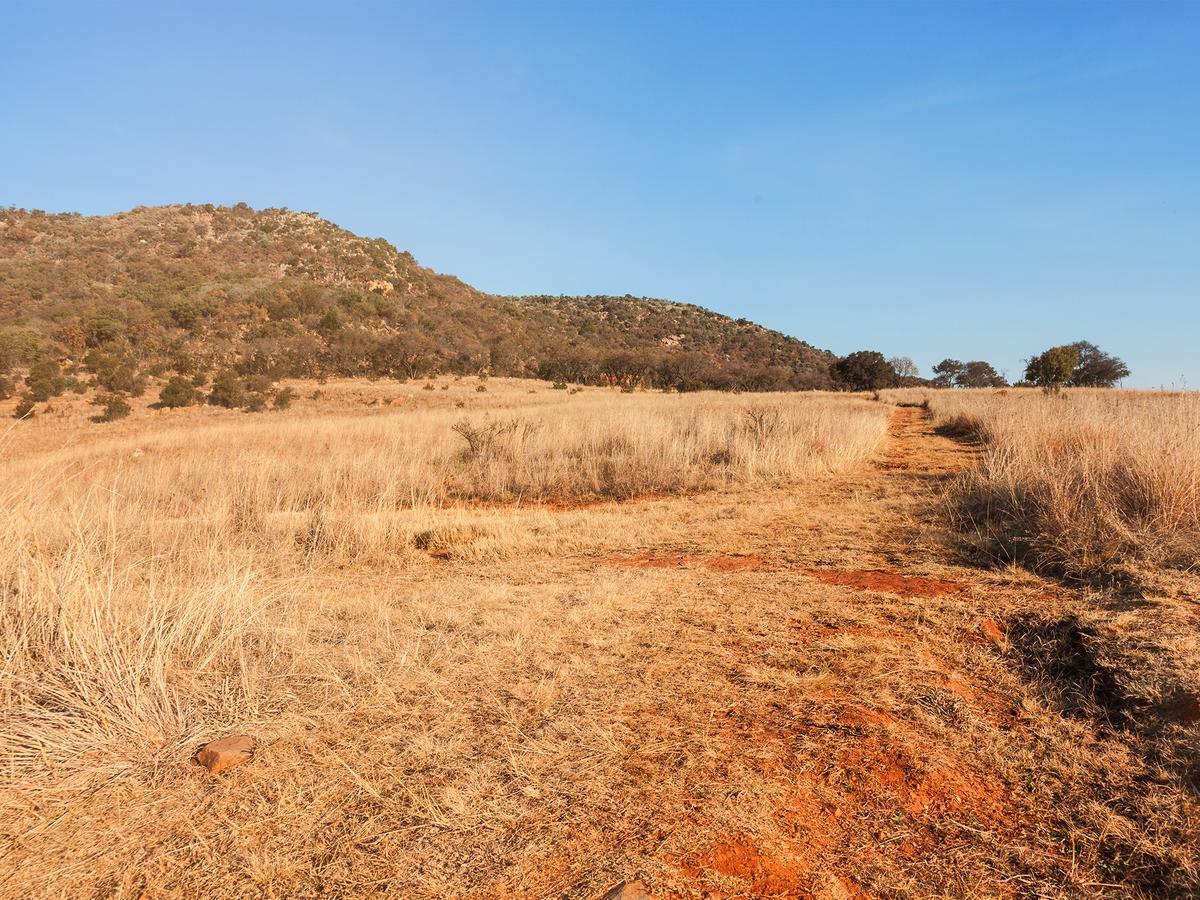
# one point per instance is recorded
(199, 290)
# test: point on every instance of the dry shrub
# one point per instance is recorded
(1083, 483)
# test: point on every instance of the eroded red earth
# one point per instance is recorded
(888, 582)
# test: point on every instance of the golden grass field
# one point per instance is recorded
(523, 642)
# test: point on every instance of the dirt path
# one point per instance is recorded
(918, 751)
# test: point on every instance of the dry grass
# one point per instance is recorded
(1082, 483)
(166, 584)
(478, 674)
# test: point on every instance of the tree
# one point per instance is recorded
(863, 370)
(1053, 368)
(177, 392)
(1096, 368)
(45, 380)
(979, 374)
(947, 372)
(283, 399)
(227, 390)
(904, 367)
(113, 407)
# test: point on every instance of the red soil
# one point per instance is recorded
(768, 875)
(888, 582)
(884, 769)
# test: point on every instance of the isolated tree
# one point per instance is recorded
(979, 374)
(946, 372)
(1096, 368)
(864, 370)
(1052, 368)
(178, 391)
(227, 390)
(45, 380)
(904, 367)
(112, 408)
(283, 398)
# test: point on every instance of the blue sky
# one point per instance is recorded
(966, 180)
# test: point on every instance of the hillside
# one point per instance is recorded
(196, 289)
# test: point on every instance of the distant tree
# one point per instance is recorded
(947, 372)
(257, 390)
(979, 374)
(283, 399)
(18, 346)
(1096, 368)
(103, 326)
(1052, 368)
(6, 388)
(227, 390)
(45, 380)
(904, 367)
(863, 370)
(112, 408)
(177, 392)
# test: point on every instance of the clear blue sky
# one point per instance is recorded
(967, 180)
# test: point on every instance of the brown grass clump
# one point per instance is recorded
(1084, 483)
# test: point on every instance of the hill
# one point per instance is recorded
(278, 293)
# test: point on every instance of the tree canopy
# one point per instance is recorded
(1081, 364)
(863, 370)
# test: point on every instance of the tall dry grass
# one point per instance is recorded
(1084, 483)
(158, 587)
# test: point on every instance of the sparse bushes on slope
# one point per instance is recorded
(300, 297)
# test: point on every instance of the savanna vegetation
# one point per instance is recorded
(617, 626)
(433, 607)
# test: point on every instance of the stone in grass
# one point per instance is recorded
(225, 753)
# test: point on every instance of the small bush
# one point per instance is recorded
(481, 389)
(177, 392)
(559, 386)
(284, 398)
(6, 388)
(255, 403)
(45, 380)
(112, 408)
(26, 408)
(227, 390)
